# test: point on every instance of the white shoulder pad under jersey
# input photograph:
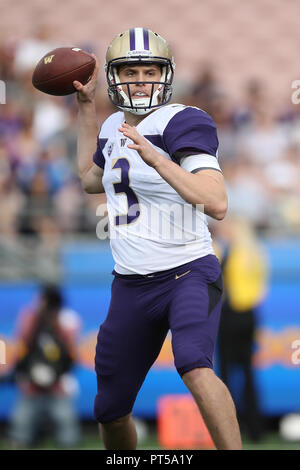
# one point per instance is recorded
(151, 227)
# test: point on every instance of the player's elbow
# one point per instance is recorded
(87, 188)
(218, 210)
(90, 187)
(220, 215)
(91, 183)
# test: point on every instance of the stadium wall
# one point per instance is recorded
(86, 284)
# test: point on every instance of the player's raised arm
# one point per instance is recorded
(89, 173)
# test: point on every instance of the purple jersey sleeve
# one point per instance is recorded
(98, 157)
(191, 129)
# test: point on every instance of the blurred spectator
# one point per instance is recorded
(69, 208)
(11, 198)
(50, 117)
(263, 138)
(11, 206)
(10, 120)
(40, 180)
(47, 248)
(67, 135)
(255, 92)
(248, 195)
(6, 60)
(205, 85)
(51, 164)
(29, 51)
(22, 146)
(47, 338)
(245, 280)
(222, 111)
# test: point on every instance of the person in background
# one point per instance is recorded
(46, 353)
(244, 268)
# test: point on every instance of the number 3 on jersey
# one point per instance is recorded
(123, 187)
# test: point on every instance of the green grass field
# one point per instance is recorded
(90, 441)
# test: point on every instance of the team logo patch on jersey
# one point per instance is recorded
(110, 149)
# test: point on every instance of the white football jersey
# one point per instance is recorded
(151, 227)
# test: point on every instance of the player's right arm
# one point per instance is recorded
(89, 173)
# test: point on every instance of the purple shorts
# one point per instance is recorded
(185, 300)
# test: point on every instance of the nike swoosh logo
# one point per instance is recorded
(180, 275)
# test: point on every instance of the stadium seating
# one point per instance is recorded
(243, 39)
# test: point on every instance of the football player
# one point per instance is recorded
(158, 165)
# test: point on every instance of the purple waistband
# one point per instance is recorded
(161, 273)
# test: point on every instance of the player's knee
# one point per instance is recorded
(116, 423)
(196, 377)
(105, 411)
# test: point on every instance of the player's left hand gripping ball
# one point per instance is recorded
(141, 145)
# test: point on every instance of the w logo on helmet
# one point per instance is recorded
(48, 59)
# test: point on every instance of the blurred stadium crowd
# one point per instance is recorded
(41, 197)
(42, 203)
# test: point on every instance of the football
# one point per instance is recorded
(56, 71)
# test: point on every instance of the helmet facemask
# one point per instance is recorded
(125, 101)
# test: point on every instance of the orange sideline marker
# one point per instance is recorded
(180, 424)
